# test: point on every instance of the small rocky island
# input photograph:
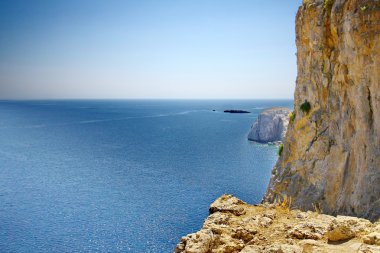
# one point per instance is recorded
(271, 125)
(236, 111)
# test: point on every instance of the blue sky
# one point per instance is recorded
(147, 49)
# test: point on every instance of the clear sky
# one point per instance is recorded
(147, 49)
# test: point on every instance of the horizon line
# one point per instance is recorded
(37, 99)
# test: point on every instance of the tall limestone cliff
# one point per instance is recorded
(331, 155)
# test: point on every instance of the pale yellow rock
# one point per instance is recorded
(229, 231)
(307, 230)
(265, 221)
(276, 248)
(251, 249)
(368, 249)
(372, 238)
(227, 203)
(344, 227)
(198, 242)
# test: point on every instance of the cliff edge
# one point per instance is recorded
(234, 226)
(331, 155)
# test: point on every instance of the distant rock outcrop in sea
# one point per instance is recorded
(271, 125)
(236, 111)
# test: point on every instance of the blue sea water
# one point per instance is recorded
(122, 175)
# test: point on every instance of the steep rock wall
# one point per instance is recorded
(331, 156)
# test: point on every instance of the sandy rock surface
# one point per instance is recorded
(275, 228)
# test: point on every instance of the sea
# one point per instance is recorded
(123, 175)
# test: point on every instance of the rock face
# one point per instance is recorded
(234, 226)
(271, 125)
(331, 155)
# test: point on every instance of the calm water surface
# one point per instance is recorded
(122, 176)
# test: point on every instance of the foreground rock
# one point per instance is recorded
(234, 226)
(331, 153)
(271, 125)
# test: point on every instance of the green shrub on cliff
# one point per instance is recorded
(305, 107)
(292, 116)
(327, 4)
(280, 149)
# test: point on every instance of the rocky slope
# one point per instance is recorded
(331, 155)
(234, 226)
(271, 125)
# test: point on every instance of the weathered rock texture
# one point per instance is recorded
(331, 155)
(270, 125)
(234, 226)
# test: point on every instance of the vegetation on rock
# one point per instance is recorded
(292, 116)
(305, 107)
(327, 4)
(280, 149)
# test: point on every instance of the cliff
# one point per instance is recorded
(271, 125)
(330, 161)
(331, 155)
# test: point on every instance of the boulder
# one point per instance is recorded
(345, 227)
(229, 204)
(372, 238)
(308, 230)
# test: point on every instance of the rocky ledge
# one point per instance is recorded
(271, 125)
(235, 226)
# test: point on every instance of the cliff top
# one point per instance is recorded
(235, 226)
(276, 109)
